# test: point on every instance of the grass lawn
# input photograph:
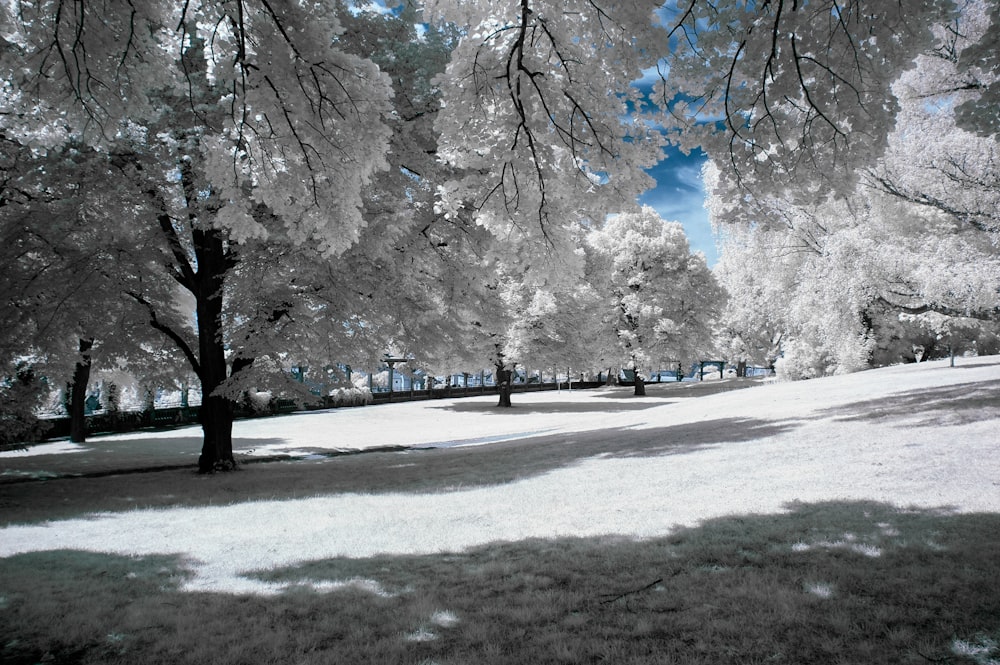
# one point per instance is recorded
(824, 583)
(673, 543)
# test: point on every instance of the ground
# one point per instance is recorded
(578, 526)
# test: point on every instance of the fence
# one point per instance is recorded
(472, 391)
(108, 422)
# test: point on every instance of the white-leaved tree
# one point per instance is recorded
(778, 92)
(660, 300)
(852, 283)
(63, 306)
(896, 258)
(539, 111)
(539, 121)
(237, 122)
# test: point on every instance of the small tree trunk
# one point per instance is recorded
(78, 394)
(111, 400)
(504, 377)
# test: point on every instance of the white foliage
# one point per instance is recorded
(536, 115)
(660, 300)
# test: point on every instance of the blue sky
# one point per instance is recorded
(680, 197)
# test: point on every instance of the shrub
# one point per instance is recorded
(20, 398)
(350, 397)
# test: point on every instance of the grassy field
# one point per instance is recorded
(818, 581)
(827, 583)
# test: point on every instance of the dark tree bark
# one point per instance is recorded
(216, 410)
(78, 393)
(640, 385)
(504, 378)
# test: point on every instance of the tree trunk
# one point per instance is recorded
(216, 411)
(504, 378)
(78, 394)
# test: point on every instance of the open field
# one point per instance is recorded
(848, 519)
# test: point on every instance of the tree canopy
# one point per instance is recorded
(249, 185)
(901, 265)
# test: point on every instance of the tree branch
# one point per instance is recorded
(174, 336)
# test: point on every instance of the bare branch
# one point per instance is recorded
(172, 334)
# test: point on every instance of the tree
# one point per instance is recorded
(661, 300)
(539, 126)
(935, 158)
(236, 121)
(841, 286)
(535, 95)
(21, 393)
(544, 325)
(978, 66)
(538, 120)
(61, 301)
(780, 91)
(901, 257)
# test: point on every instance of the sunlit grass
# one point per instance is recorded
(734, 590)
(501, 553)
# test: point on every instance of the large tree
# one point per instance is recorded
(660, 300)
(62, 298)
(785, 91)
(539, 124)
(237, 122)
(855, 282)
(904, 259)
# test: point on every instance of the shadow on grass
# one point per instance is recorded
(946, 405)
(702, 388)
(490, 408)
(617, 400)
(415, 470)
(443, 469)
(115, 457)
(823, 583)
(965, 364)
(68, 606)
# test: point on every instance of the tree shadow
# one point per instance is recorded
(702, 388)
(408, 470)
(941, 406)
(618, 400)
(136, 455)
(522, 407)
(827, 582)
(72, 606)
(965, 365)
(434, 469)
(34, 489)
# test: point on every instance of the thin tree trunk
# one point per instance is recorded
(504, 378)
(640, 385)
(78, 393)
